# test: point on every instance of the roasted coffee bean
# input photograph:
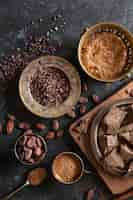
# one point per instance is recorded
(40, 126)
(59, 133)
(11, 117)
(82, 109)
(50, 135)
(10, 127)
(83, 100)
(71, 114)
(24, 125)
(56, 124)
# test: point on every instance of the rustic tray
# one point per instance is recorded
(79, 130)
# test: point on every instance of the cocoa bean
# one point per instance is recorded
(1, 127)
(50, 135)
(82, 109)
(24, 125)
(71, 114)
(10, 127)
(11, 117)
(83, 100)
(85, 87)
(40, 126)
(56, 125)
(59, 133)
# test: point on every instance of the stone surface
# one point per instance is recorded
(14, 17)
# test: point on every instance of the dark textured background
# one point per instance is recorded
(14, 17)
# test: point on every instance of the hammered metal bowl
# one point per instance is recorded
(118, 30)
(56, 110)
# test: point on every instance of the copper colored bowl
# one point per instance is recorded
(55, 110)
(118, 30)
(94, 136)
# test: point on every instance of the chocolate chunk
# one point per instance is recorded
(38, 151)
(27, 154)
(114, 160)
(126, 152)
(38, 142)
(114, 118)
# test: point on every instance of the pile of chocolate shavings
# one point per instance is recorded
(12, 66)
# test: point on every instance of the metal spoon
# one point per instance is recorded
(31, 180)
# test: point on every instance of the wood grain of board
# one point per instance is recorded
(80, 133)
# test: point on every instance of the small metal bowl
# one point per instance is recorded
(96, 151)
(56, 110)
(82, 170)
(119, 31)
(27, 163)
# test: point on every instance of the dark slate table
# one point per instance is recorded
(14, 17)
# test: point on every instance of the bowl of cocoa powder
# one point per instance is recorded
(30, 149)
(49, 86)
(105, 52)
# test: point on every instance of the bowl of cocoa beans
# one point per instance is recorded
(30, 149)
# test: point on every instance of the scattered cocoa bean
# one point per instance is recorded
(24, 125)
(10, 127)
(50, 135)
(56, 124)
(71, 114)
(59, 133)
(83, 100)
(96, 98)
(11, 117)
(90, 194)
(40, 126)
(1, 127)
(85, 87)
(130, 92)
(82, 109)
(28, 132)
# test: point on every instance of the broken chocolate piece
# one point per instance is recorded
(114, 160)
(114, 118)
(126, 152)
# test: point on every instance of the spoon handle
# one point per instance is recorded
(14, 192)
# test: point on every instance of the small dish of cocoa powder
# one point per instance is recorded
(67, 167)
(30, 149)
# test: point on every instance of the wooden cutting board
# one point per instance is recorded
(79, 131)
